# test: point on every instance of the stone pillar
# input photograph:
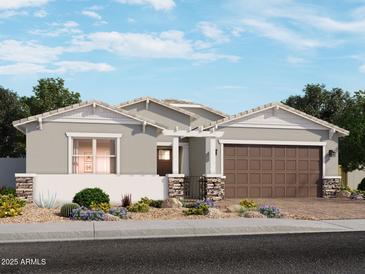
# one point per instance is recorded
(214, 187)
(24, 186)
(176, 187)
(331, 186)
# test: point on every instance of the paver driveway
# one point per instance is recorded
(312, 208)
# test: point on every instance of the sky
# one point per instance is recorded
(230, 54)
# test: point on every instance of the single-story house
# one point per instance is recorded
(166, 148)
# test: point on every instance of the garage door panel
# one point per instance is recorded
(272, 171)
(242, 178)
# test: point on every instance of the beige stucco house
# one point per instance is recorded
(161, 148)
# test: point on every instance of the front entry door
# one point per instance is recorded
(164, 160)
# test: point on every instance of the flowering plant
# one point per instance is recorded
(121, 212)
(207, 202)
(270, 211)
(85, 214)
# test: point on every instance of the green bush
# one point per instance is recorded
(7, 191)
(150, 202)
(66, 209)
(10, 206)
(361, 186)
(202, 209)
(101, 206)
(88, 195)
(248, 203)
(139, 207)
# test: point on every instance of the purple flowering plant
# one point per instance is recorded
(121, 212)
(85, 214)
(270, 211)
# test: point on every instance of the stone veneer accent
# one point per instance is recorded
(214, 188)
(330, 187)
(24, 187)
(176, 187)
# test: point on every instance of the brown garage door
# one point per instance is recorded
(272, 171)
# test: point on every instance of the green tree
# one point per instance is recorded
(340, 108)
(12, 142)
(50, 94)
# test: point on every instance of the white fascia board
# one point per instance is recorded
(185, 133)
(266, 142)
(186, 105)
(93, 135)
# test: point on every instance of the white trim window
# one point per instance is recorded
(93, 153)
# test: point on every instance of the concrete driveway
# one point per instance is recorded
(312, 208)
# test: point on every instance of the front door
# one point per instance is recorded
(164, 160)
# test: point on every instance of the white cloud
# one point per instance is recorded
(28, 52)
(296, 60)
(362, 68)
(59, 67)
(57, 29)
(212, 31)
(81, 66)
(170, 45)
(131, 20)
(17, 4)
(281, 34)
(11, 13)
(40, 13)
(92, 14)
(156, 4)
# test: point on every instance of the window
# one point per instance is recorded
(94, 155)
(164, 154)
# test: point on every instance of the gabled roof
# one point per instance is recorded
(157, 101)
(281, 106)
(185, 103)
(44, 115)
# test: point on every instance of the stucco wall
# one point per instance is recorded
(47, 148)
(64, 187)
(354, 178)
(205, 117)
(331, 163)
(8, 167)
(160, 114)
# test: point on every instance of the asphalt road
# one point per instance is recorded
(293, 253)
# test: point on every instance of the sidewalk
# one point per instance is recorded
(175, 228)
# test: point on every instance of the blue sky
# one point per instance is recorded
(231, 54)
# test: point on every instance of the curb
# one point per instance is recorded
(76, 231)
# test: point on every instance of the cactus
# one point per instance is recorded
(66, 209)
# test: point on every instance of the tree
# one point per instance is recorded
(340, 108)
(12, 142)
(50, 94)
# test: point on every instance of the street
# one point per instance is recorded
(341, 252)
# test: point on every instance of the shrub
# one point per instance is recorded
(121, 212)
(101, 206)
(150, 202)
(7, 191)
(85, 214)
(139, 207)
(156, 203)
(248, 203)
(88, 195)
(202, 209)
(10, 206)
(127, 200)
(66, 209)
(207, 202)
(270, 211)
(361, 186)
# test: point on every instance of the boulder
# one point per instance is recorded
(343, 194)
(234, 208)
(171, 203)
(215, 213)
(110, 217)
(253, 214)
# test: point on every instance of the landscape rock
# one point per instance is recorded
(171, 203)
(215, 213)
(234, 208)
(355, 196)
(110, 217)
(253, 214)
(344, 194)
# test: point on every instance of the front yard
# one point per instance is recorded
(306, 209)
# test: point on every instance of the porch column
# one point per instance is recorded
(175, 155)
(212, 162)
